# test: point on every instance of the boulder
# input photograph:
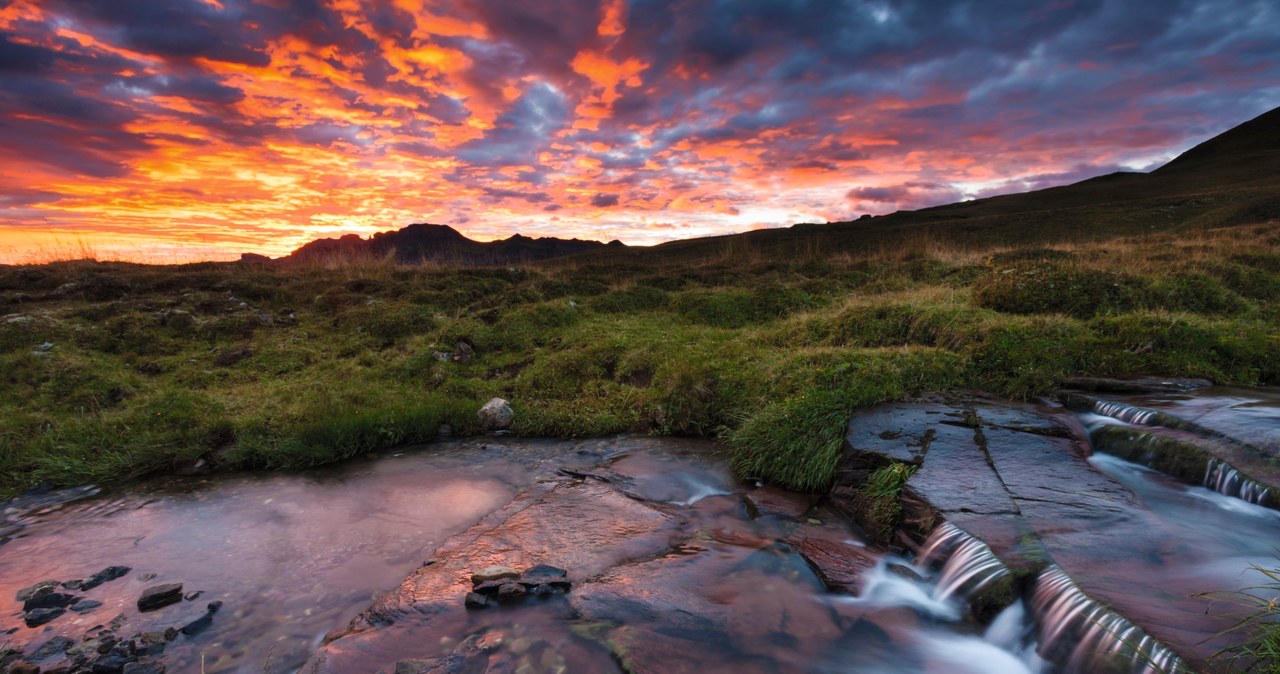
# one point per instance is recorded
(495, 415)
(108, 574)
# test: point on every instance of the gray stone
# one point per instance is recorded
(495, 415)
(159, 596)
(145, 667)
(41, 616)
(38, 588)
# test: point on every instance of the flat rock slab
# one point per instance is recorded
(586, 527)
(1238, 426)
(1016, 478)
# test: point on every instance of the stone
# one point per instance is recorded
(86, 605)
(111, 663)
(214, 606)
(413, 666)
(39, 588)
(475, 600)
(40, 616)
(49, 600)
(463, 353)
(496, 415)
(496, 572)
(511, 591)
(198, 625)
(159, 596)
(144, 667)
(23, 668)
(541, 571)
(192, 596)
(55, 646)
(108, 574)
(231, 357)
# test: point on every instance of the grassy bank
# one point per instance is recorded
(114, 370)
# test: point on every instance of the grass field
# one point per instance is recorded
(111, 370)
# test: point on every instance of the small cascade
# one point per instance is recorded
(1087, 637)
(967, 563)
(1222, 478)
(1126, 413)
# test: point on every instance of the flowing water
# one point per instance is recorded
(296, 555)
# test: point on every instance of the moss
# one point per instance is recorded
(1182, 460)
(1050, 288)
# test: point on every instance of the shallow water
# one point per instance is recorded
(291, 555)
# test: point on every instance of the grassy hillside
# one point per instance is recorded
(114, 370)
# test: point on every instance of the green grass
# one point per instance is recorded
(257, 367)
(1258, 626)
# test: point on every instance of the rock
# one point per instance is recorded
(146, 577)
(463, 353)
(111, 663)
(475, 600)
(229, 358)
(41, 616)
(86, 605)
(495, 415)
(496, 572)
(159, 596)
(49, 600)
(198, 625)
(39, 588)
(23, 668)
(511, 591)
(214, 606)
(192, 596)
(55, 646)
(144, 667)
(541, 571)
(108, 574)
(442, 356)
(413, 666)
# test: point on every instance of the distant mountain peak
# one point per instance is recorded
(420, 243)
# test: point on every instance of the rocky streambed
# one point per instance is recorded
(1011, 547)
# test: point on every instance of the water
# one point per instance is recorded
(1222, 478)
(295, 556)
(291, 555)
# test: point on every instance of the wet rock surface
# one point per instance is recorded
(1019, 479)
(634, 560)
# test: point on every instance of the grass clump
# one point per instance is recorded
(1258, 625)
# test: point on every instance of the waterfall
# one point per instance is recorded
(1222, 478)
(1125, 413)
(1090, 637)
(968, 564)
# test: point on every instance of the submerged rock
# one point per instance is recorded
(40, 616)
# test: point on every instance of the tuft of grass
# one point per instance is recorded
(1258, 625)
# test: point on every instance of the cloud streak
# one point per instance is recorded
(231, 125)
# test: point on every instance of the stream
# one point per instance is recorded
(697, 571)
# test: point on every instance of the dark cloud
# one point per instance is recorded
(522, 132)
(603, 200)
(497, 195)
(181, 30)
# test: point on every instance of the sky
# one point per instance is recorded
(172, 130)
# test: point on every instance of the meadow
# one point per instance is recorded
(110, 371)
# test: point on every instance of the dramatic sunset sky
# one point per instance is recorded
(183, 129)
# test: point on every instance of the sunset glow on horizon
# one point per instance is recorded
(202, 129)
